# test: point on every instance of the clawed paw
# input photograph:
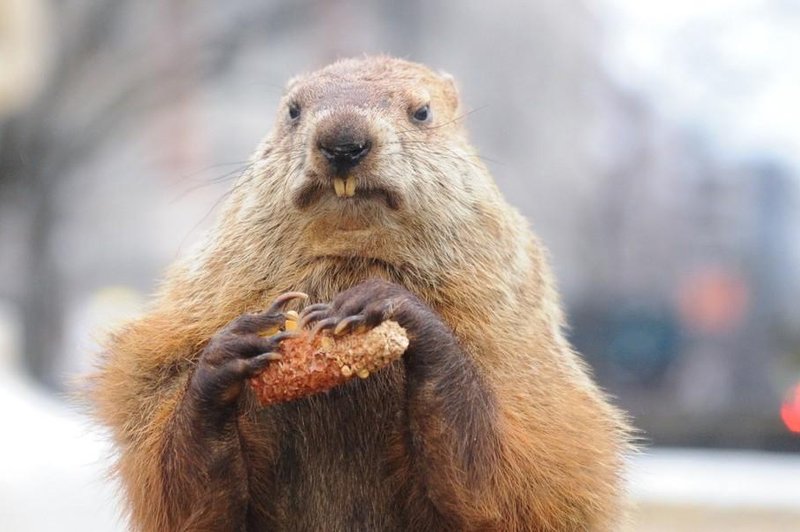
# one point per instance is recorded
(355, 310)
(242, 349)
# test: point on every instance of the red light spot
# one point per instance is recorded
(790, 411)
(713, 300)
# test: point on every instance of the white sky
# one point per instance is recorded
(730, 68)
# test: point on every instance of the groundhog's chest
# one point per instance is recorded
(340, 458)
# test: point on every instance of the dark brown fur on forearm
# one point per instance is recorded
(203, 471)
(450, 434)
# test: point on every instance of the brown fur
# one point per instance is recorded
(375, 454)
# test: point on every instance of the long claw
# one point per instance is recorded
(279, 302)
(327, 323)
(314, 308)
(281, 336)
(310, 317)
(259, 362)
(347, 323)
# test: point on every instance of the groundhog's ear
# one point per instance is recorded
(292, 82)
(451, 90)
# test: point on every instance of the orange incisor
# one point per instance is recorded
(315, 363)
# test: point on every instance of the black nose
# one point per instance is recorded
(343, 156)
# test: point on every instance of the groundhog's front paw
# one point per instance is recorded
(236, 353)
(365, 306)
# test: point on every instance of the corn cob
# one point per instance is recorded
(316, 363)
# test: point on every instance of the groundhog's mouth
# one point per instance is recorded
(345, 190)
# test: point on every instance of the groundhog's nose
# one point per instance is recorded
(343, 152)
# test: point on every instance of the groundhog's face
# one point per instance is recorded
(369, 141)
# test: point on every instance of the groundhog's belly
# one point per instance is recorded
(334, 470)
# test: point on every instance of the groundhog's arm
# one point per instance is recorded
(179, 430)
(452, 437)
(450, 448)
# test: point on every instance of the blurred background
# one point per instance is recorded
(654, 146)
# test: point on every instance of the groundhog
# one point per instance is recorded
(368, 198)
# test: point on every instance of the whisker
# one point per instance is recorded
(219, 179)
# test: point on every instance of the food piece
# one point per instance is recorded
(316, 363)
(292, 317)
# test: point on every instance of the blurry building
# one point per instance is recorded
(693, 266)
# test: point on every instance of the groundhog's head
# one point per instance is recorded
(363, 129)
(368, 157)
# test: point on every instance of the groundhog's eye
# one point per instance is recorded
(294, 111)
(423, 114)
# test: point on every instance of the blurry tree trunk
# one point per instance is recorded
(43, 303)
(37, 295)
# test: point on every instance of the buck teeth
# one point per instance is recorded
(339, 186)
(345, 188)
(350, 186)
